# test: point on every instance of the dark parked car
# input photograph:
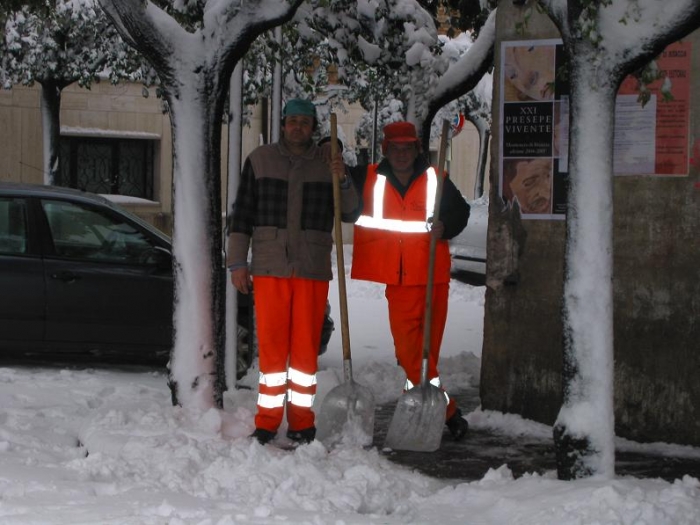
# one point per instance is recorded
(81, 277)
(468, 249)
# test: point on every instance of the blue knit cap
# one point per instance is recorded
(299, 106)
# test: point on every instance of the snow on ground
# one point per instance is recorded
(97, 446)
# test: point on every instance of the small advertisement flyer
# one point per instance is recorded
(651, 138)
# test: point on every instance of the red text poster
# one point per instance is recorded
(666, 114)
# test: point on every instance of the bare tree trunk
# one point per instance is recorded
(51, 124)
(482, 127)
(235, 140)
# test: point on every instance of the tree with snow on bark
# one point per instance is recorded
(604, 42)
(194, 46)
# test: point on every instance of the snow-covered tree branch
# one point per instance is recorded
(390, 50)
(463, 75)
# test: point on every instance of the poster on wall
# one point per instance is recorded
(533, 107)
(653, 139)
(650, 138)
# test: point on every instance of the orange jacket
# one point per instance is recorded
(392, 245)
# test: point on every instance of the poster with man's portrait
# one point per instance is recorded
(529, 183)
(533, 168)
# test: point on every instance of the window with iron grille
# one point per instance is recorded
(117, 166)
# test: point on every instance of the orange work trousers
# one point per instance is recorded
(289, 316)
(406, 319)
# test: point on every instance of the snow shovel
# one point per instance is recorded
(419, 416)
(348, 409)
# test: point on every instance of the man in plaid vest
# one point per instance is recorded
(284, 208)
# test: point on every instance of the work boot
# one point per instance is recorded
(302, 437)
(263, 436)
(457, 425)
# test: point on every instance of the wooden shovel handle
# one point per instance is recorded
(342, 290)
(433, 245)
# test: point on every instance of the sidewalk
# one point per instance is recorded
(481, 450)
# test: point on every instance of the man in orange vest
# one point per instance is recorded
(284, 209)
(391, 245)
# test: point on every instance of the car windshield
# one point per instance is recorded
(80, 232)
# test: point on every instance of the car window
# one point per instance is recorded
(82, 232)
(13, 226)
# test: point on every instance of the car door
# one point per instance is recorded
(21, 277)
(108, 281)
(468, 249)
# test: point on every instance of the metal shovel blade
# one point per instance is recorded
(347, 415)
(418, 420)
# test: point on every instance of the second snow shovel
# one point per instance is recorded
(419, 416)
(348, 409)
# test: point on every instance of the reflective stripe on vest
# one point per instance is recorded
(378, 222)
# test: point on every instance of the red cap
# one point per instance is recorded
(399, 132)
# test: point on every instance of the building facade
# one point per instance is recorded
(116, 141)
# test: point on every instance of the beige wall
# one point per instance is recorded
(121, 110)
(464, 158)
(20, 136)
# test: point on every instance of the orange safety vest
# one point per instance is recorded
(391, 243)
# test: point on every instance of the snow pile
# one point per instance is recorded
(106, 447)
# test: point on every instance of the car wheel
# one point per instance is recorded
(326, 331)
(244, 353)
